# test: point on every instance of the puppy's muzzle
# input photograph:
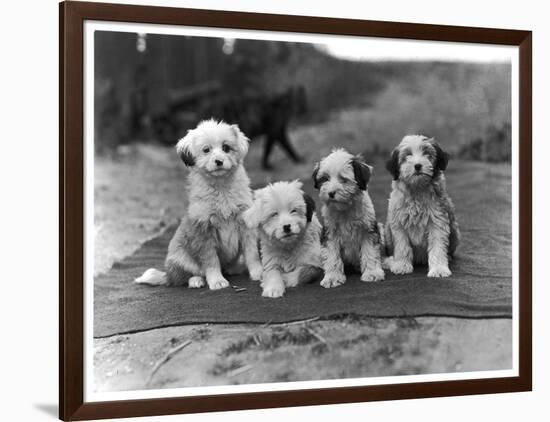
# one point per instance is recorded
(286, 228)
(219, 163)
(331, 194)
(418, 167)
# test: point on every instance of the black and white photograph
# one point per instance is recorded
(281, 210)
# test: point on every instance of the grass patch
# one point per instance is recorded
(201, 334)
(280, 336)
(240, 346)
(322, 348)
(409, 323)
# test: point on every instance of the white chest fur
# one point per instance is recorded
(228, 240)
(414, 218)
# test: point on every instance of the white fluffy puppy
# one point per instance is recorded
(290, 236)
(353, 236)
(421, 227)
(212, 237)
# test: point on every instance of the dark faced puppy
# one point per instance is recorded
(417, 160)
(421, 227)
(353, 236)
(341, 178)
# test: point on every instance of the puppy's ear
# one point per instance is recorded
(242, 140)
(310, 207)
(252, 216)
(362, 173)
(183, 149)
(392, 165)
(442, 158)
(314, 176)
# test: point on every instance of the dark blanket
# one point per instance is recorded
(480, 286)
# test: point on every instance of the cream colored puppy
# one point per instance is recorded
(421, 227)
(353, 236)
(290, 236)
(212, 237)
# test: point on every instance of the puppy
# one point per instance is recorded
(212, 237)
(290, 236)
(421, 227)
(353, 237)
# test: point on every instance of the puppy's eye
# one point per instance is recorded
(206, 150)
(273, 214)
(294, 211)
(323, 179)
(226, 148)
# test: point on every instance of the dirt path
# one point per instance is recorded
(143, 190)
(347, 348)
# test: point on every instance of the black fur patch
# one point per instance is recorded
(324, 235)
(442, 159)
(392, 165)
(175, 274)
(187, 157)
(361, 172)
(375, 231)
(310, 206)
(314, 176)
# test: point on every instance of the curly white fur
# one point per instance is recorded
(212, 237)
(290, 236)
(421, 227)
(352, 232)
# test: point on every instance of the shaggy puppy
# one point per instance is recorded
(290, 236)
(353, 237)
(212, 236)
(421, 227)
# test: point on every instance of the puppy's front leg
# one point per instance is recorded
(371, 265)
(401, 261)
(333, 265)
(252, 255)
(272, 283)
(212, 270)
(438, 244)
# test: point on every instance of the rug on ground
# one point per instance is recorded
(480, 287)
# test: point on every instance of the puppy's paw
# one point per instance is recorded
(386, 263)
(373, 275)
(333, 280)
(196, 282)
(255, 272)
(273, 290)
(400, 267)
(217, 284)
(439, 271)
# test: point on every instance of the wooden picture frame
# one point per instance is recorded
(72, 16)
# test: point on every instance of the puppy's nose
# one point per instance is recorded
(219, 162)
(331, 195)
(286, 228)
(418, 167)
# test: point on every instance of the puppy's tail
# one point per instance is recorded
(152, 277)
